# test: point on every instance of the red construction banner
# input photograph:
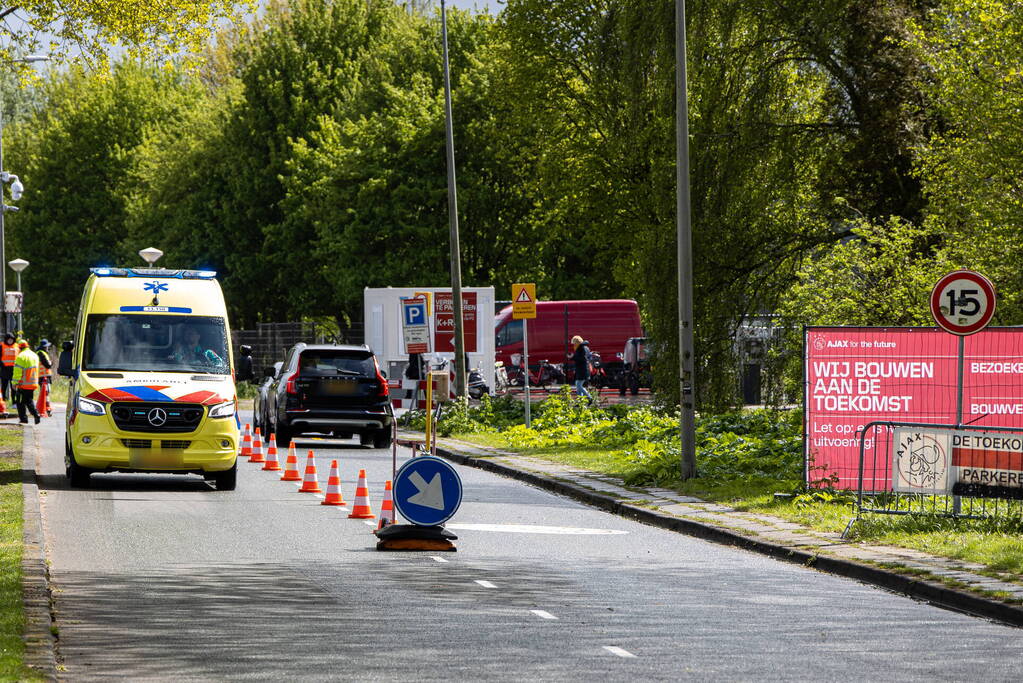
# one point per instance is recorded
(855, 376)
(445, 317)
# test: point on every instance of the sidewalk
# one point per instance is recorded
(941, 581)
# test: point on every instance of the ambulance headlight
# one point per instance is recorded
(222, 410)
(90, 407)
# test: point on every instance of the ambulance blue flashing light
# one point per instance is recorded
(155, 272)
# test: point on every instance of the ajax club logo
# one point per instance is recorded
(921, 460)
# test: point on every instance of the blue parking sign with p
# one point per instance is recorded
(415, 312)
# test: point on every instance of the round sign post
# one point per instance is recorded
(963, 302)
(427, 492)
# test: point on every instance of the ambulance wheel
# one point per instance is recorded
(226, 480)
(77, 476)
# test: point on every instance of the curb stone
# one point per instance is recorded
(932, 592)
(35, 577)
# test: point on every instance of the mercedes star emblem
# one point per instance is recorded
(157, 417)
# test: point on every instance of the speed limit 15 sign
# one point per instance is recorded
(963, 302)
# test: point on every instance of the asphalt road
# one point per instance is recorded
(161, 577)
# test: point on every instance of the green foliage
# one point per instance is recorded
(749, 446)
(78, 157)
(86, 31)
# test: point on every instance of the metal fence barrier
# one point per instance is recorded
(271, 341)
(885, 482)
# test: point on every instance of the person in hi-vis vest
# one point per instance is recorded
(26, 381)
(9, 351)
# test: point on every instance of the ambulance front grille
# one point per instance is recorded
(157, 416)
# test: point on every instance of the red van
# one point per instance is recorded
(605, 323)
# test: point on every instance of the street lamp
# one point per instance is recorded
(456, 257)
(16, 190)
(684, 232)
(18, 265)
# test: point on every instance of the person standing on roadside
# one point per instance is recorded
(9, 351)
(26, 381)
(581, 358)
(45, 377)
(245, 370)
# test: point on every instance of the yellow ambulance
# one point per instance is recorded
(152, 377)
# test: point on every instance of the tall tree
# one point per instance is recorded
(77, 159)
(86, 30)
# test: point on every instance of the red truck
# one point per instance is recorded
(605, 323)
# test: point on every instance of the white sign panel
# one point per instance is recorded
(13, 302)
(415, 325)
(921, 460)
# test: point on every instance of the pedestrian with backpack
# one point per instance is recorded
(581, 358)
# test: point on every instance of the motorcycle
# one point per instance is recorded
(477, 386)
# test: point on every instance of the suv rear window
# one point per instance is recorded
(328, 363)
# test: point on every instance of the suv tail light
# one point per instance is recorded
(383, 391)
(290, 387)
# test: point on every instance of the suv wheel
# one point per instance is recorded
(283, 436)
(382, 439)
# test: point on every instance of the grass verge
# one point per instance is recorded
(12, 616)
(996, 544)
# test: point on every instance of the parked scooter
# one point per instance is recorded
(500, 377)
(598, 375)
(476, 385)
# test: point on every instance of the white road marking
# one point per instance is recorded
(369, 522)
(542, 614)
(537, 529)
(436, 558)
(619, 651)
(485, 584)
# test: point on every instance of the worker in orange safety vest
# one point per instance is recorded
(8, 352)
(26, 381)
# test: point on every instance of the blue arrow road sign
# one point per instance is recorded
(415, 312)
(427, 491)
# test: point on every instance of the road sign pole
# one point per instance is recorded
(525, 363)
(957, 502)
(524, 309)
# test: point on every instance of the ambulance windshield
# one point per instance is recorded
(156, 343)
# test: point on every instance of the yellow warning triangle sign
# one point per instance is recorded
(523, 297)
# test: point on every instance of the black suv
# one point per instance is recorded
(329, 389)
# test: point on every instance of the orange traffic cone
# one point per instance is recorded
(386, 507)
(333, 486)
(361, 509)
(272, 463)
(246, 448)
(3, 406)
(310, 484)
(291, 466)
(257, 448)
(43, 402)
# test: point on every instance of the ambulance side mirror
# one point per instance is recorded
(64, 362)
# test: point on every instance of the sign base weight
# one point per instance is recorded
(413, 537)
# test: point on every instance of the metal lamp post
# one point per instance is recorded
(687, 379)
(456, 258)
(18, 265)
(16, 189)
